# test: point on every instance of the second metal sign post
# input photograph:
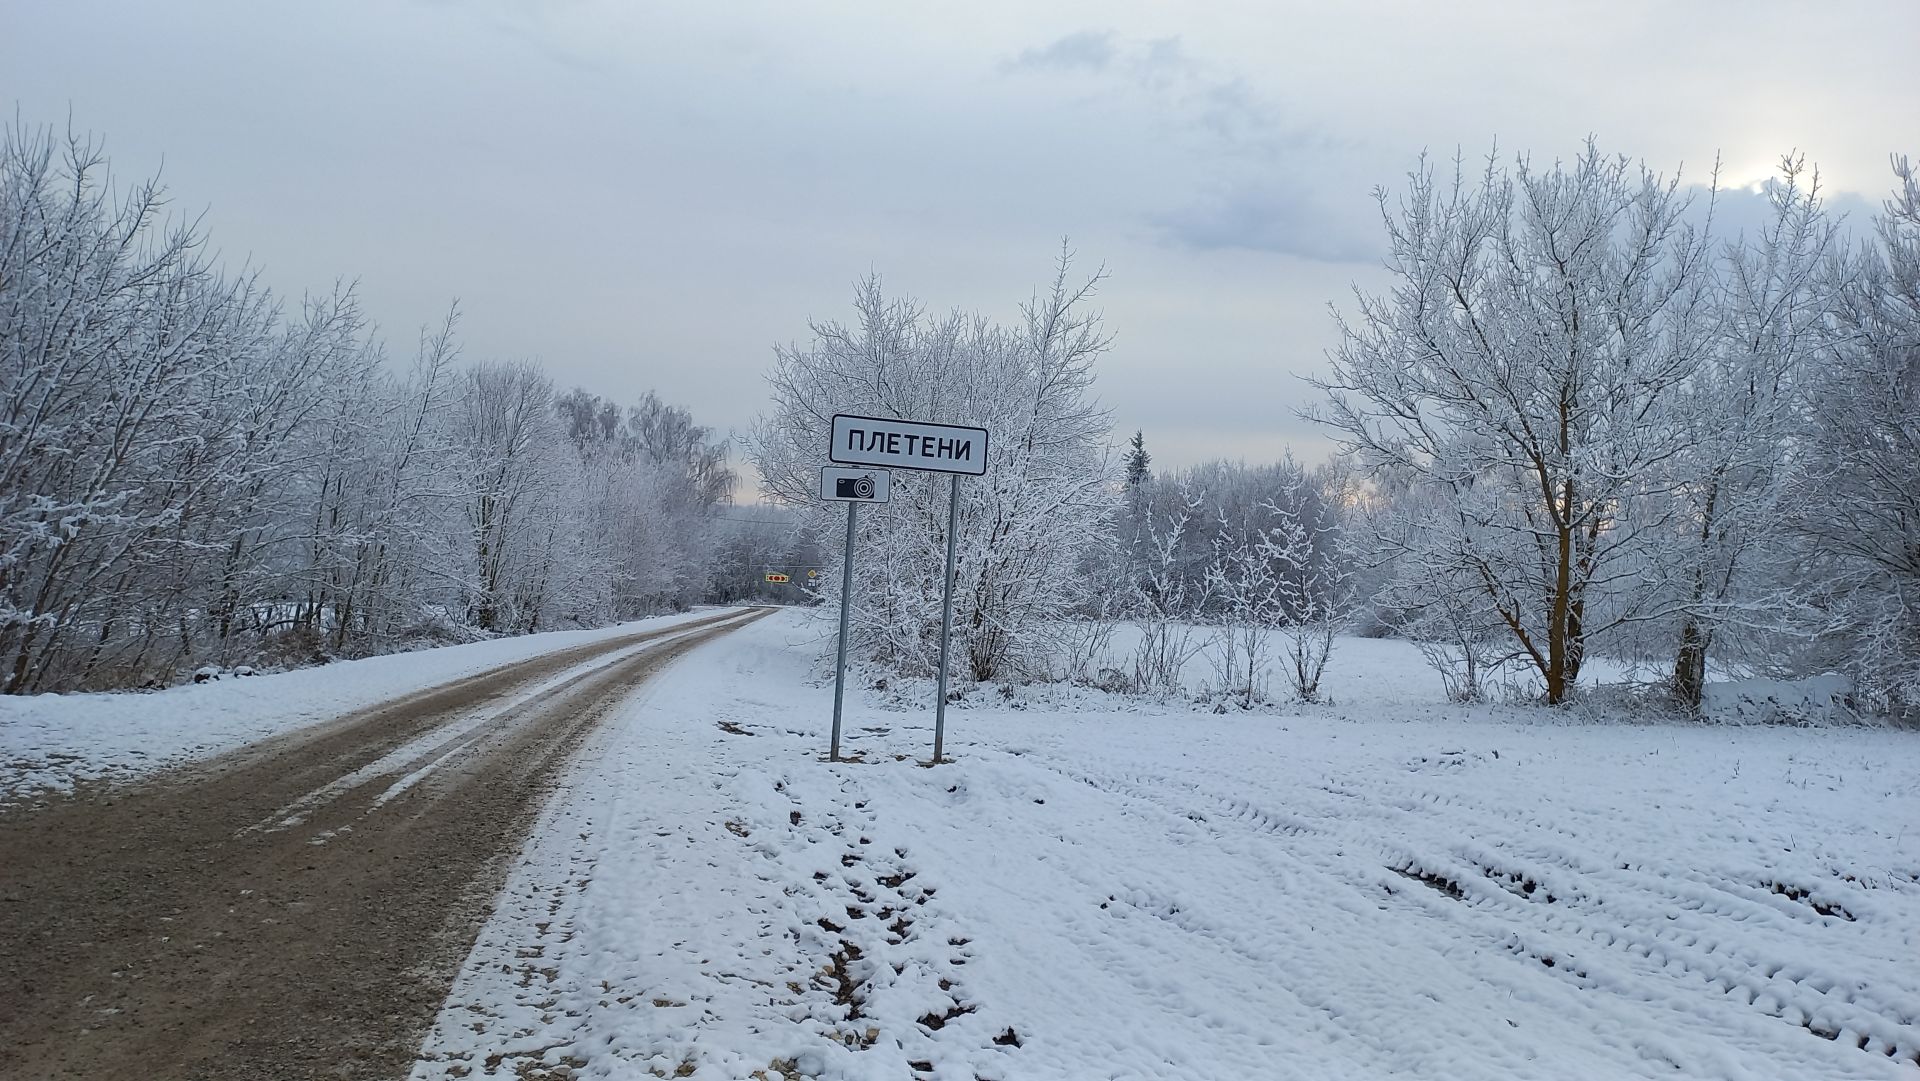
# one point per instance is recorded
(852, 487)
(910, 444)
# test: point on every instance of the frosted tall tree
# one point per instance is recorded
(505, 434)
(1741, 414)
(1137, 522)
(685, 478)
(1856, 486)
(1524, 364)
(276, 413)
(1047, 495)
(382, 492)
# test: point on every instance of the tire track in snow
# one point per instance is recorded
(1273, 836)
(1634, 917)
(1644, 907)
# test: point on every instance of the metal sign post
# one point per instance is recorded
(960, 450)
(946, 619)
(840, 662)
(853, 487)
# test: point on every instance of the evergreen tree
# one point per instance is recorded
(1137, 461)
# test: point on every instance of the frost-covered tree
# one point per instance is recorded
(1740, 417)
(1856, 483)
(382, 492)
(651, 483)
(1524, 364)
(1137, 462)
(1139, 482)
(1047, 496)
(505, 436)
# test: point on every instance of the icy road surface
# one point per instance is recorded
(1128, 896)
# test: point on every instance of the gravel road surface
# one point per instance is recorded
(298, 908)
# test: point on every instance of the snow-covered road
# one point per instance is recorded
(1413, 892)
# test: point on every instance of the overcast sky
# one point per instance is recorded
(651, 195)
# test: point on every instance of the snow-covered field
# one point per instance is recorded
(52, 740)
(1394, 888)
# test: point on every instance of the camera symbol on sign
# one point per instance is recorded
(853, 487)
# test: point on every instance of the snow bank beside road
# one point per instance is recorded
(54, 741)
(1125, 896)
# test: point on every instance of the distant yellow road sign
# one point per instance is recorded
(813, 574)
(778, 579)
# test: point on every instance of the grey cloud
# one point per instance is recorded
(1271, 219)
(1196, 96)
(1089, 50)
(1231, 110)
(1160, 63)
(1164, 52)
(1210, 119)
(1251, 217)
(1749, 212)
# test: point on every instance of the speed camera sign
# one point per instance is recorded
(855, 485)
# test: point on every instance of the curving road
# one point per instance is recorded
(298, 908)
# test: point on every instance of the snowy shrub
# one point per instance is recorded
(1245, 588)
(1163, 603)
(1813, 701)
(1315, 588)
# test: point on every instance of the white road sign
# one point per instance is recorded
(908, 444)
(855, 485)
